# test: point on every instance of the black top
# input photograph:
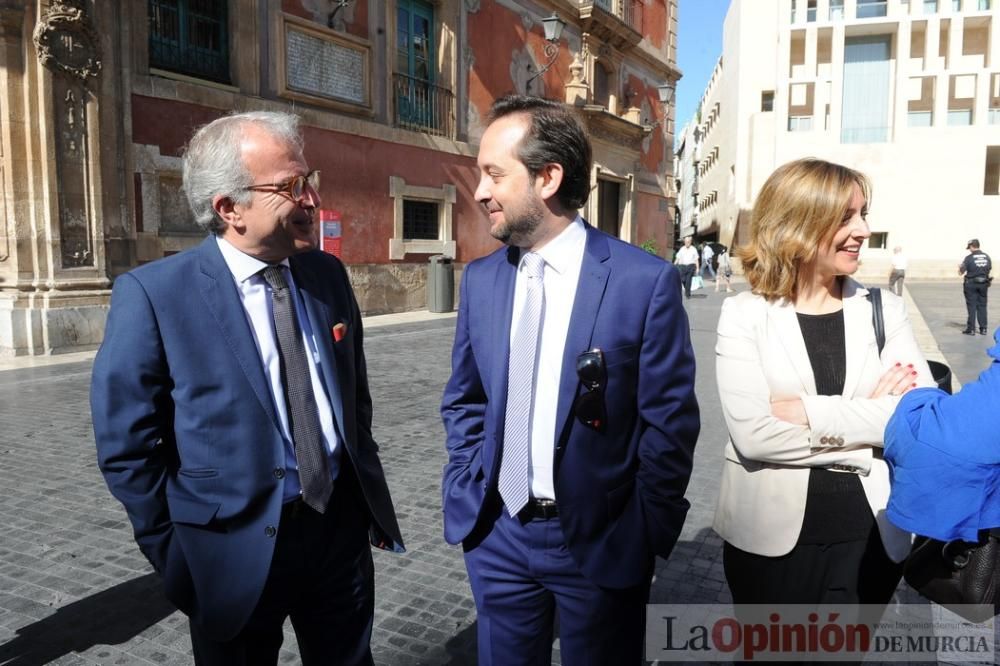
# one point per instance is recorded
(836, 507)
(977, 265)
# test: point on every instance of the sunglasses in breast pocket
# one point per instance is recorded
(593, 373)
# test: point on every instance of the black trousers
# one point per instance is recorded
(322, 577)
(687, 272)
(975, 303)
(852, 572)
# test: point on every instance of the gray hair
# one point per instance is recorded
(214, 166)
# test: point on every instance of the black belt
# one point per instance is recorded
(539, 509)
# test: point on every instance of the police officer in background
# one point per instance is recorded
(976, 269)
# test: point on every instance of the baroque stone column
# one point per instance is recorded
(53, 284)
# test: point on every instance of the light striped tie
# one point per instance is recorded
(513, 484)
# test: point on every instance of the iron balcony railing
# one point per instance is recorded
(629, 11)
(190, 37)
(422, 106)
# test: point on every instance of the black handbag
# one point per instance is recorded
(958, 573)
(950, 573)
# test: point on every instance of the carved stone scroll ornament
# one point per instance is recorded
(66, 41)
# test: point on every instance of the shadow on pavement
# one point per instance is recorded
(461, 648)
(111, 617)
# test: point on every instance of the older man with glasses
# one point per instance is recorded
(232, 414)
(570, 414)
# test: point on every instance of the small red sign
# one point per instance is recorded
(332, 231)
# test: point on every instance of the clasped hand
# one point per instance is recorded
(896, 381)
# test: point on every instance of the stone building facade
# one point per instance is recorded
(97, 99)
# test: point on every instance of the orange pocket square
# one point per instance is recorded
(339, 331)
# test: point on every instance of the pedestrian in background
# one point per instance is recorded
(686, 261)
(725, 271)
(569, 447)
(898, 272)
(806, 396)
(976, 268)
(707, 253)
(232, 415)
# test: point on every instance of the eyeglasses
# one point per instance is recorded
(593, 375)
(295, 187)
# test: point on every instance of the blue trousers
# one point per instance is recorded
(522, 574)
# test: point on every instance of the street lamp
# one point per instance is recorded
(666, 93)
(553, 26)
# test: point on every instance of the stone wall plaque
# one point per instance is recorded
(324, 66)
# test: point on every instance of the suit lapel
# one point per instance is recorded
(320, 319)
(501, 316)
(784, 331)
(223, 301)
(590, 290)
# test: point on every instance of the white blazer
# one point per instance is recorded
(760, 356)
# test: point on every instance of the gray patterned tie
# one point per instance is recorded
(310, 452)
(513, 483)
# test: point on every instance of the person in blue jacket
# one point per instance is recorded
(944, 458)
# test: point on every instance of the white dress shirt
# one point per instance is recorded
(255, 295)
(563, 257)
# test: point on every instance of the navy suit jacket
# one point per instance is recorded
(187, 435)
(621, 491)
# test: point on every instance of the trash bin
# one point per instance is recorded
(440, 284)
(941, 374)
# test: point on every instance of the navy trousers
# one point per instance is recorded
(322, 577)
(522, 575)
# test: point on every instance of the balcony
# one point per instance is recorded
(616, 22)
(629, 11)
(422, 106)
(871, 8)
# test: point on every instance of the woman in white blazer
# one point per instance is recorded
(806, 397)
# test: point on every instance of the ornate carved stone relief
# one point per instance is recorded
(73, 174)
(66, 41)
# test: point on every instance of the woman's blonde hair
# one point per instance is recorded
(800, 205)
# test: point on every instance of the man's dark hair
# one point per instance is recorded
(555, 136)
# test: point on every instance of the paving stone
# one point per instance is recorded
(75, 590)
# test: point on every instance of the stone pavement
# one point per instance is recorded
(75, 590)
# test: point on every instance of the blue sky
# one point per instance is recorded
(699, 45)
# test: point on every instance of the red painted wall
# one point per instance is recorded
(496, 33)
(355, 178)
(167, 124)
(654, 22)
(652, 222)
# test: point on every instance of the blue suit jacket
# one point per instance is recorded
(187, 435)
(621, 491)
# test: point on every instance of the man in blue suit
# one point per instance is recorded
(232, 413)
(570, 413)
